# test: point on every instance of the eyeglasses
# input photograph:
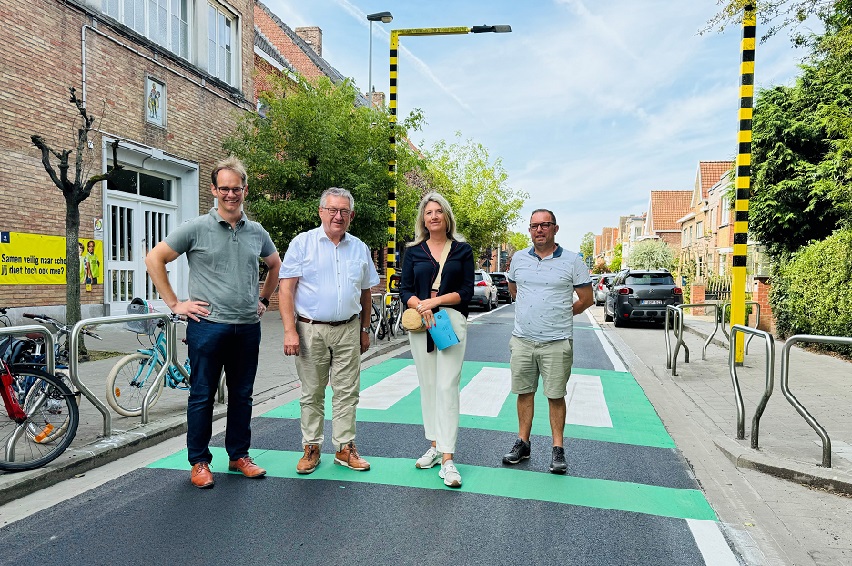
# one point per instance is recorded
(344, 212)
(233, 190)
(542, 225)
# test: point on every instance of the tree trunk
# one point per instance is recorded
(73, 311)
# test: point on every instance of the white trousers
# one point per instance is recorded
(439, 374)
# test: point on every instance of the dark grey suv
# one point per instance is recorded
(636, 294)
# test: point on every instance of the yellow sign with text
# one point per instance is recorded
(36, 259)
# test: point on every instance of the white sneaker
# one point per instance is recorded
(450, 475)
(429, 459)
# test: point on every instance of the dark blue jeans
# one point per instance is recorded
(213, 346)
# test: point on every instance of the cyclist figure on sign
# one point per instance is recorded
(223, 311)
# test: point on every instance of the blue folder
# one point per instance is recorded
(442, 333)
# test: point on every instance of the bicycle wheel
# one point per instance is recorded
(51, 408)
(35, 430)
(129, 381)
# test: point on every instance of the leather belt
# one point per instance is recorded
(301, 318)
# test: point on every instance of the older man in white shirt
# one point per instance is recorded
(324, 298)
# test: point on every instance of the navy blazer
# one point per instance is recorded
(419, 270)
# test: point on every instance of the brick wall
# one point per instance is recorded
(696, 295)
(40, 54)
(761, 296)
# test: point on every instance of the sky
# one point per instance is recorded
(588, 105)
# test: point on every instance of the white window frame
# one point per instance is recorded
(217, 58)
(137, 15)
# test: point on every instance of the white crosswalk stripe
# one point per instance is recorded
(486, 393)
(389, 390)
(586, 402)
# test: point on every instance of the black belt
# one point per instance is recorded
(301, 318)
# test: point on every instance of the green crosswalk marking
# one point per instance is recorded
(500, 482)
(633, 417)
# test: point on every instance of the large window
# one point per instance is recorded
(165, 22)
(142, 184)
(221, 28)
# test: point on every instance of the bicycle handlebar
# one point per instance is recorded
(60, 328)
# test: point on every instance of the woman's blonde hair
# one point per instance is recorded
(421, 233)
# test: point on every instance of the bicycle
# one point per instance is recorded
(40, 418)
(134, 375)
(391, 323)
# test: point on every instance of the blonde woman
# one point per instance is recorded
(437, 274)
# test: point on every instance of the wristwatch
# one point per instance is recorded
(264, 301)
(365, 329)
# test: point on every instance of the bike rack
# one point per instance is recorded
(770, 377)
(49, 342)
(381, 313)
(785, 386)
(677, 325)
(74, 352)
(721, 316)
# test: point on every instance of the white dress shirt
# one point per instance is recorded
(331, 277)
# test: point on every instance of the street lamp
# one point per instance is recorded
(394, 47)
(385, 18)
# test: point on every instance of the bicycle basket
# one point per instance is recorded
(141, 306)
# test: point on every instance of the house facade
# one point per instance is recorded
(169, 80)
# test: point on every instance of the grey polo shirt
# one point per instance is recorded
(223, 267)
(545, 298)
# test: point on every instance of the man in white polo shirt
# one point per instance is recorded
(324, 298)
(543, 280)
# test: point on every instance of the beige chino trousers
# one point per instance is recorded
(329, 354)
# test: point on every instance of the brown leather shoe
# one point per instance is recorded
(201, 475)
(309, 462)
(348, 456)
(247, 466)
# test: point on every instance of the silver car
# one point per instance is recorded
(484, 291)
(601, 287)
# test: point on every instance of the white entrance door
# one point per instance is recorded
(133, 228)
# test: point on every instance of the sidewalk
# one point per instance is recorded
(788, 447)
(276, 376)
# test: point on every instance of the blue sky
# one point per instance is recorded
(590, 105)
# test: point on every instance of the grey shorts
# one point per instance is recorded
(551, 360)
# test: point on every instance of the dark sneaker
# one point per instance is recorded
(557, 461)
(520, 451)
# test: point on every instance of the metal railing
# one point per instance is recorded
(49, 342)
(770, 377)
(675, 321)
(74, 352)
(726, 306)
(785, 386)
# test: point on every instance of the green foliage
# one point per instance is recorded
(651, 254)
(315, 137)
(802, 172)
(587, 245)
(476, 187)
(518, 241)
(776, 14)
(809, 293)
(616, 259)
(600, 266)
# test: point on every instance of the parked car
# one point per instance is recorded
(601, 287)
(484, 291)
(502, 283)
(641, 294)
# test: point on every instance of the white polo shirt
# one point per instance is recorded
(545, 298)
(331, 277)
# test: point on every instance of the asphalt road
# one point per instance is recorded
(628, 497)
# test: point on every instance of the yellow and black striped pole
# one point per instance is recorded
(392, 107)
(743, 178)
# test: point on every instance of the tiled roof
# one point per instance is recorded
(667, 207)
(295, 50)
(709, 173)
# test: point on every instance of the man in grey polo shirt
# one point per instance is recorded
(224, 310)
(543, 280)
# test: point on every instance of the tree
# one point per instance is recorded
(802, 147)
(616, 259)
(313, 136)
(777, 14)
(587, 245)
(75, 191)
(651, 254)
(518, 241)
(476, 187)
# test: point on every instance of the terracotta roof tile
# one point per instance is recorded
(709, 173)
(667, 207)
